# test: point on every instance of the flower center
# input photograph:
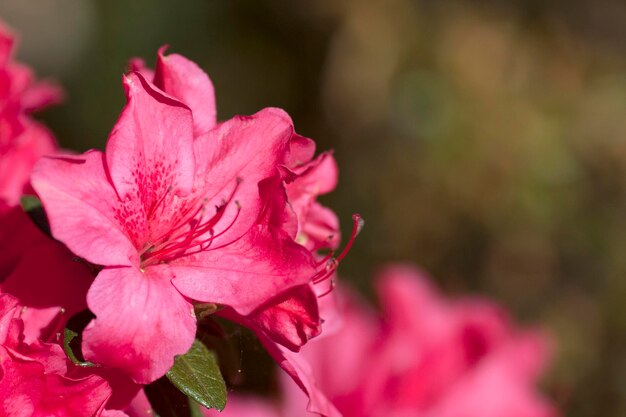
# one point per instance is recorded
(190, 232)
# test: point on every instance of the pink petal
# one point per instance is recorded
(318, 226)
(50, 355)
(184, 80)
(41, 95)
(81, 206)
(141, 322)
(292, 320)
(6, 44)
(139, 406)
(139, 65)
(337, 358)
(493, 392)
(404, 289)
(321, 227)
(301, 151)
(113, 413)
(150, 151)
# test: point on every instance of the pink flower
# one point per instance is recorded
(178, 209)
(436, 352)
(22, 140)
(289, 319)
(292, 317)
(35, 378)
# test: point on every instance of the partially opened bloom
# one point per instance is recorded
(178, 209)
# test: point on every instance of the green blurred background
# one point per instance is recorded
(483, 140)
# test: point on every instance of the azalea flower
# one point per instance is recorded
(290, 319)
(177, 209)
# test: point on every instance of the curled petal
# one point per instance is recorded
(184, 80)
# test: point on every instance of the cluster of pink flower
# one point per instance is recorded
(116, 275)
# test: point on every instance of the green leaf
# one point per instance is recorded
(195, 408)
(167, 401)
(68, 336)
(245, 364)
(197, 375)
(30, 203)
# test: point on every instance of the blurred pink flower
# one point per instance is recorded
(451, 358)
(425, 356)
(173, 217)
(22, 140)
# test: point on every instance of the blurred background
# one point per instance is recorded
(484, 141)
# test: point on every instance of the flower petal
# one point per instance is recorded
(27, 389)
(81, 207)
(141, 322)
(184, 80)
(290, 320)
